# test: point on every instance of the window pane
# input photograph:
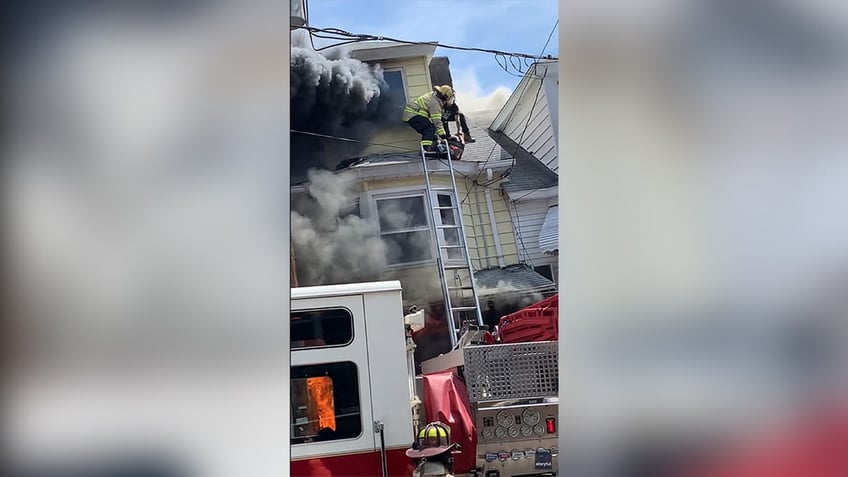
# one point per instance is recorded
(401, 214)
(448, 216)
(406, 247)
(325, 402)
(321, 328)
(452, 238)
(396, 93)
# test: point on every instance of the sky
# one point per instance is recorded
(520, 26)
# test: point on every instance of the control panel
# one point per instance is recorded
(517, 439)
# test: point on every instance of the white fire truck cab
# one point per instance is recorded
(351, 412)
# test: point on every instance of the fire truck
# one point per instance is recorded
(357, 403)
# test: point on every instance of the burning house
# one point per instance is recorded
(359, 201)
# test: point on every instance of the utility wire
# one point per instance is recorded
(346, 38)
(347, 139)
(365, 37)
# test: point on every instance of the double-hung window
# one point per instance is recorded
(406, 227)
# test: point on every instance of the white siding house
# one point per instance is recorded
(526, 128)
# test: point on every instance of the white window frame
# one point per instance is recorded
(405, 192)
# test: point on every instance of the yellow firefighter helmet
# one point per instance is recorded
(433, 440)
(445, 92)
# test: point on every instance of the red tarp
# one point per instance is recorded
(446, 400)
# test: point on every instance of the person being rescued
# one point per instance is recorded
(452, 113)
(424, 115)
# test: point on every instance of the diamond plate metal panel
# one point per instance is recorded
(512, 371)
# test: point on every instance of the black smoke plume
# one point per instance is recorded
(334, 95)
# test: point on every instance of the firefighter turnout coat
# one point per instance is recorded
(428, 106)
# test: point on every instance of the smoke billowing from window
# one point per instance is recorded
(331, 247)
(333, 95)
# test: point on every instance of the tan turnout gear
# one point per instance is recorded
(428, 106)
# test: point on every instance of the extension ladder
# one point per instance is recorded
(456, 273)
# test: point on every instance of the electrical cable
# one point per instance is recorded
(366, 37)
(347, 38)
(347, 139)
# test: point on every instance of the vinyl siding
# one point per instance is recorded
(528, 219)
(538, 137)
(529, 115)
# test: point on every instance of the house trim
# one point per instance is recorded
(387, 50)
(415, 169)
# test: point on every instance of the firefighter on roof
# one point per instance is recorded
(424, 115)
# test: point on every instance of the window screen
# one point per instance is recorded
(325, 402)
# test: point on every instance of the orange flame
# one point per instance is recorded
(321, 395)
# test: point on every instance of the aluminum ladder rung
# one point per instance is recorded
(444, 208)
(448, 226)
(464, 308)
(451, 246)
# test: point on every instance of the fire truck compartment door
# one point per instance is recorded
(355, 352)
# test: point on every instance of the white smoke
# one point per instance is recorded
(507, 297)
(470, 96)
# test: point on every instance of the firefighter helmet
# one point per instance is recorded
(445, 93)
(433, 440)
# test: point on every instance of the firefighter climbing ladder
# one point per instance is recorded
(456, 275)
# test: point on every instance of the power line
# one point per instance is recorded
(345, 35)
(549, 37)
(347, 139)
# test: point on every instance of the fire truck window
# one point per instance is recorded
(317, 328)
(325, 403)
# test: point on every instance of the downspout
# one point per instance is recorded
(497, 238)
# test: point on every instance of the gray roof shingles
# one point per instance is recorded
(518, 277)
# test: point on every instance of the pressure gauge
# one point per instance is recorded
(500, 432)
(505, 418)
(526, 431)
(514, 432)
(488, 434)
(531, 417)
(539, 430)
